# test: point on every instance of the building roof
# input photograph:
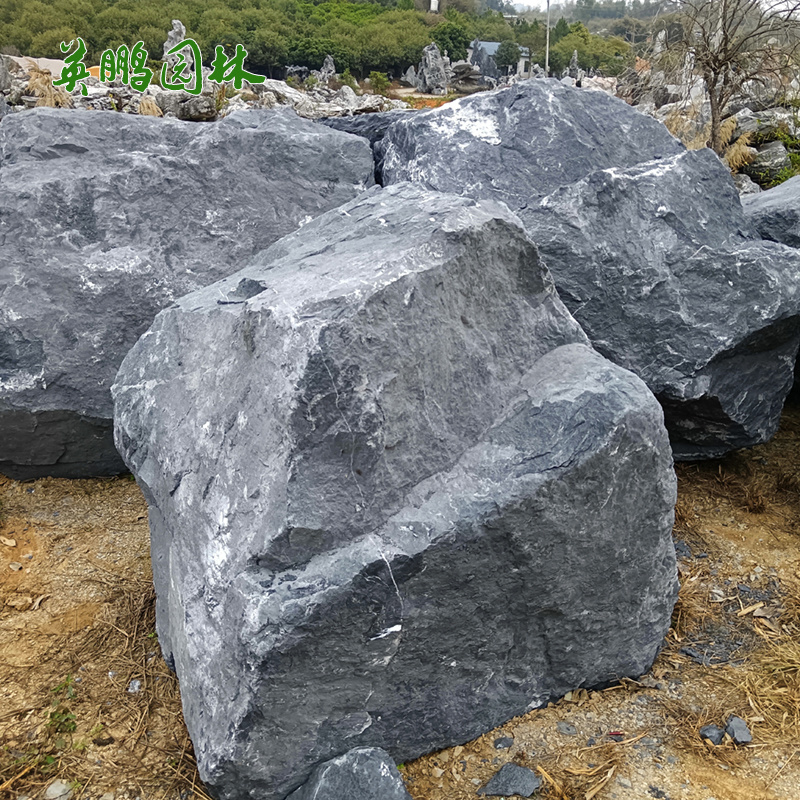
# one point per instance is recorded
(490, 48)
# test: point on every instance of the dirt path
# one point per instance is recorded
(86, 698)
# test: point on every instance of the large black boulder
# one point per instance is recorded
(660, 267)
(395, 497)
(107, 218)
(776, 213)
(521, 143)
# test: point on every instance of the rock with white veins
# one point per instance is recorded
(662, 270)
(395, 498)
(365, 773)
(107, 218)
(521, 143)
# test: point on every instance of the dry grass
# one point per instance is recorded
(579, 775)
(739, 154)
(149, 108)
(693, 607)
(71, 714)
(686, 720)
(684, 125)
(772, 686)
(772, 680)
(41, 86)
(736, 479)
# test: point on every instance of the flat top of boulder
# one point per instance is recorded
(297, 276)
(521, 143)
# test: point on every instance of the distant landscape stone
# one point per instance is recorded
(175, 36)
(105, 219)
(5, 76)
(359, 448)
(521, 143)
(410, 77)
(659, 266)
(188, 107)
(510, 780)
(432, 73)
(361, 774)
(775, 214)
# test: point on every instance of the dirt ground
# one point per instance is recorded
(85, 697)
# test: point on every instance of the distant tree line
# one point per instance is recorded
(375, 35)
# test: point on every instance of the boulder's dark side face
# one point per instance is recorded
(660, 267)
(395, 497)
(107, 218)
(776, 213)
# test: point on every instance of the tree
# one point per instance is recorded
(560, 30)
(453, 38)
(734, 42)
(507, 54)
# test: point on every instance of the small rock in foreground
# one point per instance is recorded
(737, 729)
(713, 733)
(511, 780)
(58, 790)
(503, 743)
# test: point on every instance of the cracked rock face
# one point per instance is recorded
(104, 220)
(395, 497)
(365, 773)
(659, 266)
(521, 143)
(776, 213)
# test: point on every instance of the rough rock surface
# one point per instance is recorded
(365, 773)
(659, 266)
(771, 160)
(521, 143)
(395, 499)
(372, 127)
(775, 214)
(107, 218)
(745, 185)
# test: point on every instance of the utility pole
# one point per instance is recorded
(547, 46)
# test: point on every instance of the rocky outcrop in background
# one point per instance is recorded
(29, 86)
(445, 510)
(104, 220)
